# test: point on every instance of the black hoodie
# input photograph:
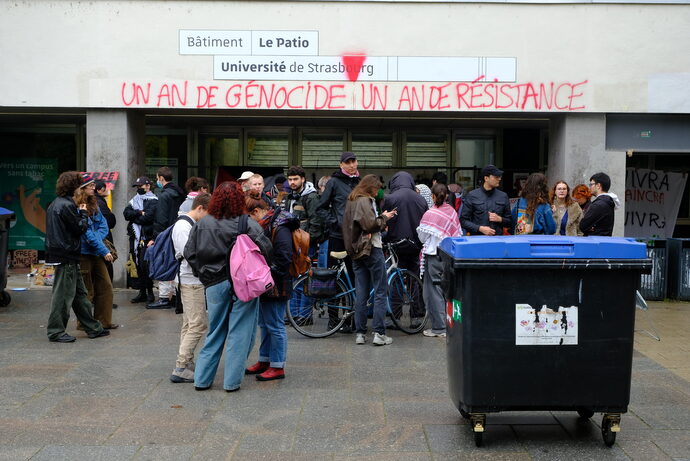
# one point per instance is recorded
(411, 206)
(169, 201)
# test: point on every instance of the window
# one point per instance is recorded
(267, 149)
(373, 149)
(426, 150)
(322, 150)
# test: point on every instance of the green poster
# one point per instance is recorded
(27, 186)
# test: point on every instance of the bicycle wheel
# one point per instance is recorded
(406, 302)
(319, 317)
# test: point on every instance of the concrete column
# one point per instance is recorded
(577, 150)
(115, 142)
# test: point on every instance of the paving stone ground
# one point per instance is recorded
(111, 399)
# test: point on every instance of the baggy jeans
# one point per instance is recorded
(194, 322)
(69, 292)
(99, 287)
(236, 331)
(273, 347)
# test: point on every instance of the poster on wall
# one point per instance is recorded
(652, 201)
(27, 186)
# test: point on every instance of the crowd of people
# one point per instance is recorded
(344, 212)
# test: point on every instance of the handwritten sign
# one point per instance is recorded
(652, 201)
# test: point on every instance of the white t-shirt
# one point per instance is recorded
(180, 235)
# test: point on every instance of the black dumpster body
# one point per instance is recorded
(541, 322)
(5, 217)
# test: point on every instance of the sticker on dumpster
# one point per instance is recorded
(545, 326)
(453, 312)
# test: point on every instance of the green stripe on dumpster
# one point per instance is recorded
(457, 311)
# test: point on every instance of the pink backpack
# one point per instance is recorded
(249, 273)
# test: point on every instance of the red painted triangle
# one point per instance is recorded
(353, 64)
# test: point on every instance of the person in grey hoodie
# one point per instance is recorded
(599, 217)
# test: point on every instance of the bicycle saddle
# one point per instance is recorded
(339, 254)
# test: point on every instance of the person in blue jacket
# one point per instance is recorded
(532, 213)
(94, 255)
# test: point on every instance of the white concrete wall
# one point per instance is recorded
(577, 150)
(634, 58)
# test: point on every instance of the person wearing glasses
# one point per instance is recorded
(599, 217)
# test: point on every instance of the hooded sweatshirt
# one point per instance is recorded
(599, 217)
(410, 205)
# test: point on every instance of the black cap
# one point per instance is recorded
(491, 170)
(141, 181)
(347, 156)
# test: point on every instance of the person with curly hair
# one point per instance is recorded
(94, 255)
(582, 196)
(566, 211)
(532, 213)
(65, 224)
(231, 323)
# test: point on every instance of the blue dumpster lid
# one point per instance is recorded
(5, 211)
(543, 246)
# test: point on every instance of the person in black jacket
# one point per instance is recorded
(278, 226)
(411, 206)
(231, 322)
(65, 224)
(333, 201)
(169, 200)
(101, 196)
(486, 209)
(139, 213)
(599, 217)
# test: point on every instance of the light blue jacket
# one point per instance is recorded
(92, 239)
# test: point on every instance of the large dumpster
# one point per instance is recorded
(679, 269)
(541, 323)
(654, 286)
(5, 217)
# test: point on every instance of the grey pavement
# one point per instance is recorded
(110, 398)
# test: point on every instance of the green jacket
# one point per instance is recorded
(303, 206)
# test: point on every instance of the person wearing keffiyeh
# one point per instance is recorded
(439, 222)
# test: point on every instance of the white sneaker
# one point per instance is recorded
(381, 340)
(431, 334)
(361, 339)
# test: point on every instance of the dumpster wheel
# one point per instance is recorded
(5, 298)
(478, 422)
(610, 425)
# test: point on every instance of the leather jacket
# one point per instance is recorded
(65, 224)
(208, 248)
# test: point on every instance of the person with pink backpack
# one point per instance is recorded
(232, 321)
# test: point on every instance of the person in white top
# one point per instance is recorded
(439, 222)
(194, 318)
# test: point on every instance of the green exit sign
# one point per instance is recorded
(646, 134)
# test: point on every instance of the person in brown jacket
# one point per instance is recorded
(362, 226)
(566, 211)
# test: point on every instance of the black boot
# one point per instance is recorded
(149, 295)
(140, 298)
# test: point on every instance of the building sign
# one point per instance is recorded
(246, 42)
(365, 68)
(27, 186)
(652, 201)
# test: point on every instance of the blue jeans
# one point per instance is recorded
(273, 335)
(235, 330)
(370, 272)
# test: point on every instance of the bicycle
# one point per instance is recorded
(324, 316)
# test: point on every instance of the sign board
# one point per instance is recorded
(652, 201)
